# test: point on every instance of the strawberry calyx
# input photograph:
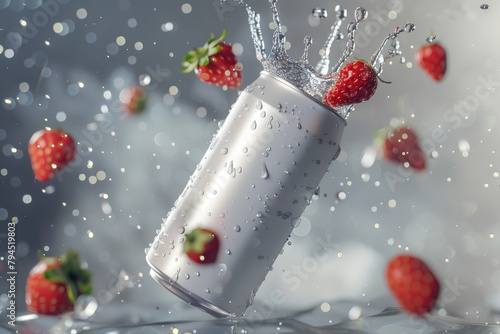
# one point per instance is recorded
(374, 72)
(70, 273)
(200, 56)
(196, 240)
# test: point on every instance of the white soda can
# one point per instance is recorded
(246, 195)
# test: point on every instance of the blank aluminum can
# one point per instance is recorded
(251, 187)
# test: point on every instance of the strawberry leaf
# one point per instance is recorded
(55, 275)
(77, 280)
(72, 291)
(200, 56)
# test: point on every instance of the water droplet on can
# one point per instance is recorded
(181, 230)
(224, 151)
(265, 172)
(484, 6)
(258, 105)
(253, 126)
(237, 228)
(187, 276)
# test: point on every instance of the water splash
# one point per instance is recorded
(314, 80)
(324, 64)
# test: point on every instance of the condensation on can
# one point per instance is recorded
(251, 187)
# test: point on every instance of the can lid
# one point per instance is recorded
(292, 86)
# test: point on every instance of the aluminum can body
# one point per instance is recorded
(251, 187)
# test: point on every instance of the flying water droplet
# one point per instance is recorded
(409, 27)
(484, 6)
(320, 13)
(361, 14)
(340, 12)
(341, 195)
(85, 306)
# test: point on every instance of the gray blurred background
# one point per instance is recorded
(66, 67)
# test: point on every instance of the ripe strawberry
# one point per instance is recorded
(50, 151)
(54, 284)
(214, 63)
(412, 283)
(401, 145)
(432, 59)
(201, 245)
(134, 99)
(356, 82)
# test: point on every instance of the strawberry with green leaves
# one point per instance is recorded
(356, 82)
(134, 99)
(214, 63)
(401, 145)
(50, 151)
(54, 284)
(432, 59)
(412, 283)
(202, 245)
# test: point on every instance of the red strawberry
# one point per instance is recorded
(432, 59)
(214, 63)
(54, 284)
(356, 82)
(50, 151)
(134, 99)
(201, 245)
(412, 283)
(401, 145)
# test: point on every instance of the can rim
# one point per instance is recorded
(191, 298)
(292, 86)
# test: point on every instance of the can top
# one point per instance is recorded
(298, 90)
